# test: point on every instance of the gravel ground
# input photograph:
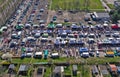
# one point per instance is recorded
(74, 18)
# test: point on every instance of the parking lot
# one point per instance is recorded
(40, 42)
(31, 30)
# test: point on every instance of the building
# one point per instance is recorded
(103, 70)
(113, 69)
(75, 68)
(57, 72)
(23, 70)
(11, 69)
(95, 70)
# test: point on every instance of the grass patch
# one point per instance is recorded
(111, 6)
(95, 4)
(102, 60)
(30, 71)
(21, 61)
(84, 71)
(48, 72)
(67, 70)
(96, 10)
(60, 60)
(76, 4)
(39, 60)
(92, 60)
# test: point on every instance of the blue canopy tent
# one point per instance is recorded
(50, 32)
(29, 49)
(43, 40)
(117, 43)
(23, 55)
(80, 43)
(60, 31)
(91, 41)
(118, 48)
(72, 42)
(63, 35)
(13, 44)
(31, 39)
(34, 31)
(56, 43)
(113, 43)
(68, 31)
(62, 43)
(75, 27)
(81, 35)
(27, 26)
(98, 27)
(84, 27)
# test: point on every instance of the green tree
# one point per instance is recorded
(115, 14)
(115, 17)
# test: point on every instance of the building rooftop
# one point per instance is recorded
(23, 68)
(58, 69)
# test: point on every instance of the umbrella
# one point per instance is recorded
(6, 56)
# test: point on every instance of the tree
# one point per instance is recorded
(115, 14)
(115, 18)
(111, 12)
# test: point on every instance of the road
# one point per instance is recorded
(107, 9)
(49, 11)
